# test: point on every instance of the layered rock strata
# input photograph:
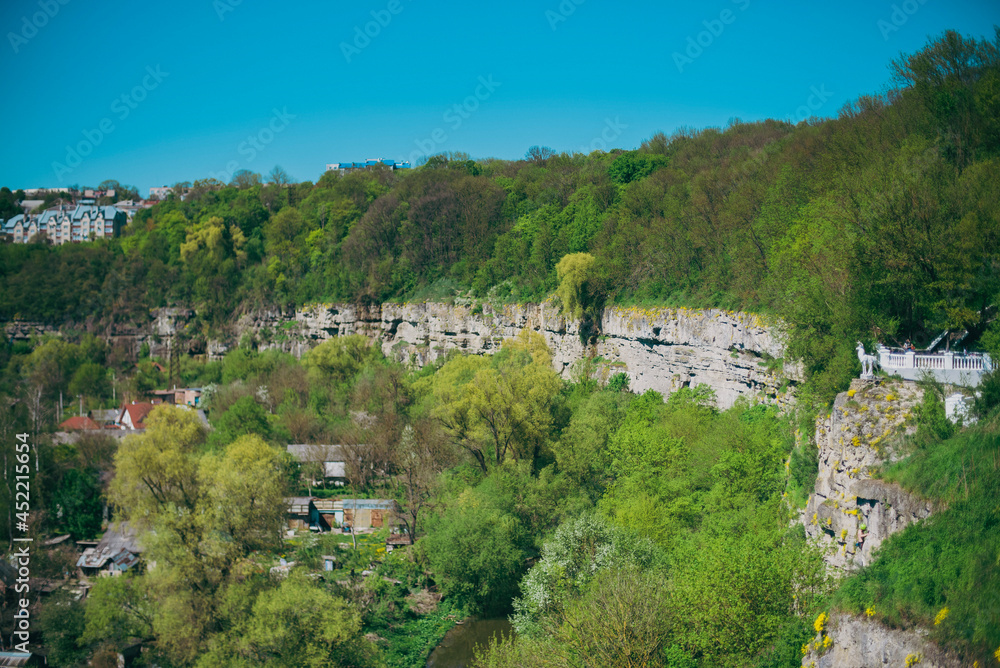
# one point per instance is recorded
(736, 354)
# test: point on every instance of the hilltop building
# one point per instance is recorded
(65, 224)
(345, 167)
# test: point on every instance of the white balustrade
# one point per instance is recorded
(977, 363)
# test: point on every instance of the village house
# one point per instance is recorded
(178, 396)
(131, 416)
(79, 423)
(116, 552)
(333, 458)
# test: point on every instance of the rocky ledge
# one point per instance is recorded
(664, 349)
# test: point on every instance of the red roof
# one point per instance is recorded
(79, 422)
(138, 412)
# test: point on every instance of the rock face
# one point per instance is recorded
(864, 643)
(852, 440)
(736, 354)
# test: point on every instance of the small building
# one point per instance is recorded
(79, 423)
(396, 540)
(116, 552)
(104, 417)
(177, 396)
(131, 416)
(304, 516)
(64, 224)
(334, 458)
(19, 660)
(364, 514)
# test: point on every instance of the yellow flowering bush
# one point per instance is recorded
(820, 623)
(851, 393)
(870, 612)
(913, 659)
(941, 616)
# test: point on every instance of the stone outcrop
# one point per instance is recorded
(853, 440)
(736, 354)
(865, 643)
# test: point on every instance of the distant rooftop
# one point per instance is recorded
(366, 164)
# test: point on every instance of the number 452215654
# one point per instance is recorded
(23, 494)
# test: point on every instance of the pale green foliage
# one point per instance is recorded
(118, 609)
(621, 621)
(155, 471)
(498, 408)
(579, 549)
(341, 358)
(573, 271)
(300, 625)
(208, 513)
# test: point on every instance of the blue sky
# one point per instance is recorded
(155, 93)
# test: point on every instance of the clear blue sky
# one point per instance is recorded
(225, 72)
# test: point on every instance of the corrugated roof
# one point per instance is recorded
(120, 537)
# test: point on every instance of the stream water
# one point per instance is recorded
(456, 650)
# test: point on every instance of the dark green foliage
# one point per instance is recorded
(246, 416)
(62, 622)
(631, 166)
(77, 501)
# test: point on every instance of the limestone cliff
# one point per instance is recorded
(859, 435)
(855, 438)
(865, 643)
(736, 354)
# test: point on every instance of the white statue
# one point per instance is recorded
(868, 363)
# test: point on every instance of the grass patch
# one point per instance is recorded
(409, 642)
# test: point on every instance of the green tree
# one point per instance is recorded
(574, 271)
(499, 409)
(245, 416)
(300, 624)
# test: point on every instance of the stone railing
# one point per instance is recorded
(948, 367)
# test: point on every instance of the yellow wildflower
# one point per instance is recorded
(870, 612)
(941, 616)
(821, 621)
